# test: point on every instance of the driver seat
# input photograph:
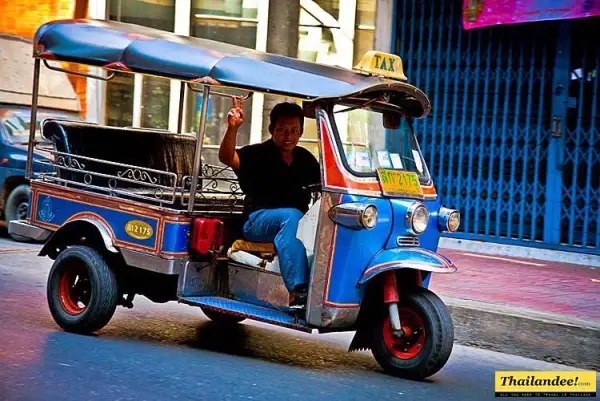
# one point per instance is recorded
(261, 255)
(253, 247)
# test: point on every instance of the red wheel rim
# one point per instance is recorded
(74, 290)
(412, 341)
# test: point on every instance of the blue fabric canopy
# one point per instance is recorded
(145, 50)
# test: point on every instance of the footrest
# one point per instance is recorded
(249, 311)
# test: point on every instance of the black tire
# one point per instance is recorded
(424, 358)
(222, 318)
(16, 207)
(90, 306)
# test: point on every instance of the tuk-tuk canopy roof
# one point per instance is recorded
(138, 49)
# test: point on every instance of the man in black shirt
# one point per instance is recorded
(272, 175)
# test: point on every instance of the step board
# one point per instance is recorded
(250, 311)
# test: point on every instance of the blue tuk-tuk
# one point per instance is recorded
(129, 211)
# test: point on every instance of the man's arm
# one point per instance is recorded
(235, 118)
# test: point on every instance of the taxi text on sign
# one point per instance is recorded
(384, 64)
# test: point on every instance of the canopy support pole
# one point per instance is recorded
(181, 103)
(33, 122)
(198, 154)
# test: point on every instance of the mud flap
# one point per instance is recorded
(361, 340)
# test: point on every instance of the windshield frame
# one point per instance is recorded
(378, 107)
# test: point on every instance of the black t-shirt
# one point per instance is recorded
(270, 183)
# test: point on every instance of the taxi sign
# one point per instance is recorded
(380, 63)
(400, 183)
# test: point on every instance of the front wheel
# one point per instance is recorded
(426, 342)
(82, 290)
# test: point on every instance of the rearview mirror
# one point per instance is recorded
(309, 109)
(392, 120)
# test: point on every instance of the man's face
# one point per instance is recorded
(286, 133)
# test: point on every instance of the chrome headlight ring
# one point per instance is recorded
(417, 218)
(354, 215)
(448, 219)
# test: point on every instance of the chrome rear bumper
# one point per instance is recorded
(24, 229)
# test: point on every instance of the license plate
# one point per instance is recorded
(400, 183)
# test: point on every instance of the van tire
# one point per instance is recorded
(16, 207)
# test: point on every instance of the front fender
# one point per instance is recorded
(406, 258)
(75, 229)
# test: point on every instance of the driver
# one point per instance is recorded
(272, 175)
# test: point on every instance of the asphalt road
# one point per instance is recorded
(172, 352)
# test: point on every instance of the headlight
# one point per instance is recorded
(417, 218)
(448, 219)
(354, 215)
(368, 217)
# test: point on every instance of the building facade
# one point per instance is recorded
(21, 18)
(335, 32)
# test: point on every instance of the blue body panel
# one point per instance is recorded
(55, 211)
(175, 238)
(355, 251)
(52, 209)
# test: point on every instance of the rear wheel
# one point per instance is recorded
(222, 318)
(426, 342)
(17, 205)
(82, 290)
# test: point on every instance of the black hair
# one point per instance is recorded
(286, 109)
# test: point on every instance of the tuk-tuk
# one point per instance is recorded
(128, 211)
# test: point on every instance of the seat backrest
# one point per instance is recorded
(153, 149)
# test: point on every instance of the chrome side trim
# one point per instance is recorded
(407, 240)
(197, 279)
(24, 229)
(152, 262)
(104, 233)
(318, 313)
(246, 282)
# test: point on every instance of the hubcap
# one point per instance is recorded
(22, 210)
(74, 290)
(412, 340)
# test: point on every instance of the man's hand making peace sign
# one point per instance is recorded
(235, 117)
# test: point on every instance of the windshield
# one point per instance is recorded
(17, 123)
(367, 145)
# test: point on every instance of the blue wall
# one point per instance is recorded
(513, 138)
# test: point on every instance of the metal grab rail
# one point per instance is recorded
(193, 89)
(148, 178)
(217, 189)
(81, 74)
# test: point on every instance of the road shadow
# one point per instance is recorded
(244, 340)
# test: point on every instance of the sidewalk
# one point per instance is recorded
(534, 284)
(532, 308)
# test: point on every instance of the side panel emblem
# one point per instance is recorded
(45, 213)
(139, 229)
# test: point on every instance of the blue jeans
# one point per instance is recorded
(279, 226)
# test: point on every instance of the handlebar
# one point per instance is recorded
(312, 187)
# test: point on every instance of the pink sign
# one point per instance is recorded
(481, 13)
